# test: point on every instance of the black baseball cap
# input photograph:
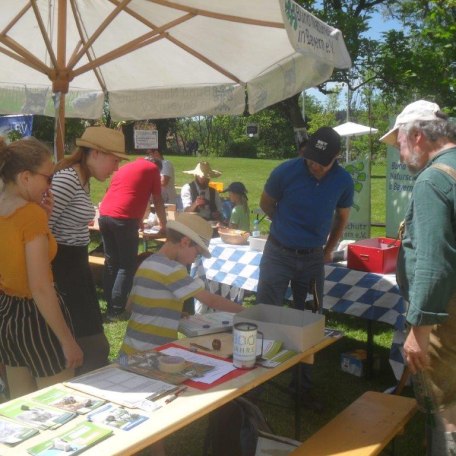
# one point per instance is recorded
(236, 187)
(323, 146)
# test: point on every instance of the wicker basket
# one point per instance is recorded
(236, 237)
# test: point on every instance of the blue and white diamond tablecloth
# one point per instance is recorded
(366, 295)
(362, 294)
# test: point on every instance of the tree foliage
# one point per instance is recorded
(419, 61)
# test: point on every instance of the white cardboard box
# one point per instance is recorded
(257, 243)
(297, 329)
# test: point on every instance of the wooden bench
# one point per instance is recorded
(364, 428)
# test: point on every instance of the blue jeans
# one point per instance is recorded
(120, 242)
(279, 268)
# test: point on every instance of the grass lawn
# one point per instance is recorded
(336, 388)
(253, 174)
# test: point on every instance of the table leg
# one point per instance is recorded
(370, 350)
(298, 399)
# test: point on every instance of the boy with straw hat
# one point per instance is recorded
(162, 283)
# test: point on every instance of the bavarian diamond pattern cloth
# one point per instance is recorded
(366, 295)
(232, 269)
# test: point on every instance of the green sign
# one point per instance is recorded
(399, 185)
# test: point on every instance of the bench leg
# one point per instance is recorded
(298, 398)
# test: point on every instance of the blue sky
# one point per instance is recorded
(377, 25)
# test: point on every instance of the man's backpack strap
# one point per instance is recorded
(446, 169)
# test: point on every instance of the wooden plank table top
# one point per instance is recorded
(188, 407)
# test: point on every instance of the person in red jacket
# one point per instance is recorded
(122, 211)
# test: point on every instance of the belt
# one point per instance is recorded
(274, 241)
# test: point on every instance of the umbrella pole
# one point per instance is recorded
(59, 126)
(60, 82)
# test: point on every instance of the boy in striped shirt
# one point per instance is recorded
(162, 284)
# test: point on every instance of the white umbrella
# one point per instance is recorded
(349, 129)
(354, 129)
(159, 58)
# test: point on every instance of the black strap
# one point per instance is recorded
(193, 190)
(194, 194)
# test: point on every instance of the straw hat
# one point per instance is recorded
(203, 169)
(195, 228)
(104, 139)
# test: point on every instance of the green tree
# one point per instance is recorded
(419, 61)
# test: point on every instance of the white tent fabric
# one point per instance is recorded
(160, 58)
(354, 129)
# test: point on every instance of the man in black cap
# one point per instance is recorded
(308, 200)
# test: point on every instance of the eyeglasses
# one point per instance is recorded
(47, 176)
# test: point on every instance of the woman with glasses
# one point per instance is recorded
(97, 155)
(37, 345)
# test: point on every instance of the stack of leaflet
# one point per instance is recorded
(209, 323)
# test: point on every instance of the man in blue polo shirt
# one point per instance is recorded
(308, 200)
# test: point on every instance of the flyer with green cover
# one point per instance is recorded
(12, 433)
(69, 400)
(34, 414)
(72, 442)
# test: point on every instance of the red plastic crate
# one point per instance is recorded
(373, 255)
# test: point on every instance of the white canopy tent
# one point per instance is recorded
(349, 129)
(159, 58)
(354, 129)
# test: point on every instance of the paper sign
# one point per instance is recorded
(146, 139)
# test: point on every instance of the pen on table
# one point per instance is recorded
(175, 395)
(201, 347)
(156, 396)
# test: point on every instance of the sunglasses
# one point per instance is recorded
(47, 176)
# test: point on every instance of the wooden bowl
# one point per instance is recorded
(236, 237)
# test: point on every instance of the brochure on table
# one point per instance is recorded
(34, 414)
(116, 417)
(69, 400)
(12, 433)
(208, 323)
(72, 442)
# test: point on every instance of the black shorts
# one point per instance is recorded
(25, 338)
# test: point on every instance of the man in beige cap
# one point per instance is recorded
(198, 197)
(426, 271)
